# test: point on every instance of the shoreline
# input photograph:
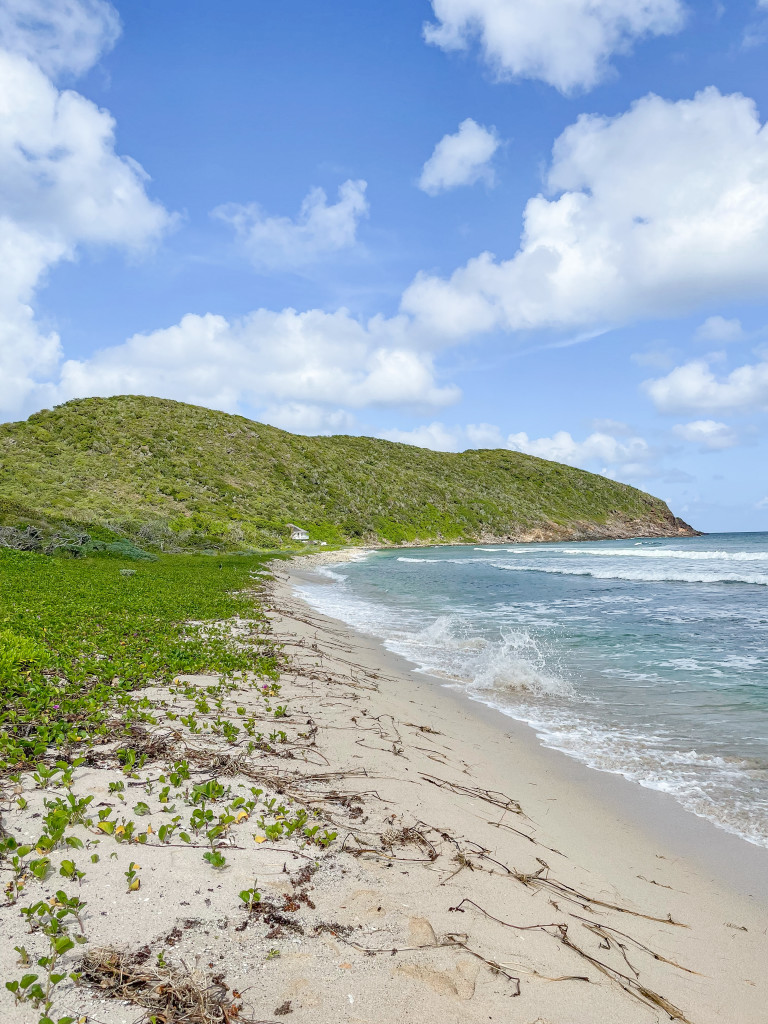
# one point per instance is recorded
(725, 854)
(635, 843)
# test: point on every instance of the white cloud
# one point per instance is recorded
(600, 451)
(763, 503)
(304, 418)
(567, 43)
(449, 439)
(436, 436)
(313, 358)
(460, 159)
(59, 35)
(62, 186)
(694, 387)
(710, 435)
(279, 242)
(718, 329)
(629, 457)
(659, 211)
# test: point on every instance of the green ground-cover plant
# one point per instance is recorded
(77, 639)
(167, 476)
(51, 918)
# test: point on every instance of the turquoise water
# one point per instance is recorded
(648, 658)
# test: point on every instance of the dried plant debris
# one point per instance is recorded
(170, 994)
(629, 983)
(490, 796)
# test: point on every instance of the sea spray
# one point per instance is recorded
(644, 658)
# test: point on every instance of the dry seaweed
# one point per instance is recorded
(490, 796)
(171, 994)
(631, 985)
(538, 880)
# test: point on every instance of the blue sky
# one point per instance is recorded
(282, 209)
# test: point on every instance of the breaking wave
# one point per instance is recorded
(649, 575)
(668, 688)
(645, 552)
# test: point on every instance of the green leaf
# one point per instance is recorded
(39, 868)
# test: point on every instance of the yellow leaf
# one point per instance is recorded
(259, 839)
(242, 816)
(150, 830)
(135, 884)
(119, 830)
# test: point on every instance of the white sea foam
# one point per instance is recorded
(511, 663)
(507, 654)
(706, 784)
(438, 561)
(691, 554)
(648, 575)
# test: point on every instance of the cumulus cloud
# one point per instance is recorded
(286, 359)
(567, 43)
(630, 456)
(693, 387)
(319, 228)
(62, 186)
(305, 418)
(436, 436)
(460, 159)
(657, 211)
(718, 329)
(709, 435)
(59, 35)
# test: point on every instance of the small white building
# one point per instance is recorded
(297, 533)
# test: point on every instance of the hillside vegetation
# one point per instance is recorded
(171, 476)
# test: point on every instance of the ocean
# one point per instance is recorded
(647, 658)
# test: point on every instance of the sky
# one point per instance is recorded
(452, 223)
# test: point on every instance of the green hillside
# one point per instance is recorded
(172, 476)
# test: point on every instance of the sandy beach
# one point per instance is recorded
(474, 876)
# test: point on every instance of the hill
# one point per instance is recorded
(174, 476)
